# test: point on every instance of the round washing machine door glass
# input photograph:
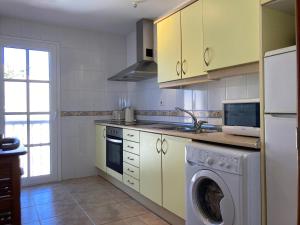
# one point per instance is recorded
(211, 199)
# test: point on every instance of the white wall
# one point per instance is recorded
(87, 58)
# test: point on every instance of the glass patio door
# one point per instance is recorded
(29, 106)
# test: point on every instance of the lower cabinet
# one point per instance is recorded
(162, 170)
(173, 174)
(100, 161)
(150, 167)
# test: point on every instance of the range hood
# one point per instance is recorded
(145, 68)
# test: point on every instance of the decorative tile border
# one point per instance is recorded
(85, 113)
(197, 113)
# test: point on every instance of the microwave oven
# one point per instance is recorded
(241, 117)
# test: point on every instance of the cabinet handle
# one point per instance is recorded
(178, 69)
(132, 183)
(130, 135)
(131, 171)
(130, 158)
(128, 146)
(183, 70)
(158, 150)
(204, 56)
(103, 133)
(162, 145)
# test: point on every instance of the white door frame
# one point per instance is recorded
(53, 48)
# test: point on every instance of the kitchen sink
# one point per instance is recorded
(7, 144)
(189, 129)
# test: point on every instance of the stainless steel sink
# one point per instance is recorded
(189, 129)
(7, 144)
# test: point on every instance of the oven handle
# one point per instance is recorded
(114, 140)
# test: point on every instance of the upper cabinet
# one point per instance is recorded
(180, 44)
(207, 35)
(192, 40)
(231, 33)
(169, 48)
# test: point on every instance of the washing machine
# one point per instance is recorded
(222, 185)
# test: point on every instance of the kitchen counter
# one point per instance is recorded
(215, 137)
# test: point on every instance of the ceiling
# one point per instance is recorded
(115, 16)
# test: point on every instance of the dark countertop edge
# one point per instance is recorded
(19, 151)
(255, 145)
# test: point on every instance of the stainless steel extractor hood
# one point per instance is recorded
(145, 68)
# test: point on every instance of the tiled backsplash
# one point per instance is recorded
(208, 97)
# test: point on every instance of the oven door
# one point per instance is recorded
(114, 154)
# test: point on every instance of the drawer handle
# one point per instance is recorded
(130, 158)
(128, 146)
(131, 171)
(130, 135)
(132, 183)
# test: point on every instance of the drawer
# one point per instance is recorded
(132, 147)
(131, 135)
(131, 182)
(131, 170)
(132, 159)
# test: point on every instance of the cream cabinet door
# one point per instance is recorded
(150, 167)
(173, 167)
(231, 32)
(100, 147)
(192, 40)
(169, 48)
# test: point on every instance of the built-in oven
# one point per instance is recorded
(114, 149)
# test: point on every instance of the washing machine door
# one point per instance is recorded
(211, 199)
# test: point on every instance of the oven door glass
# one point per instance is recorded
(114, 154)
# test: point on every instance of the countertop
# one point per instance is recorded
(19, 151)
(215, 137)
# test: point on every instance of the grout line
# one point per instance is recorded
(90, 219)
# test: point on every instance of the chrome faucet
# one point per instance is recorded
(197, 123)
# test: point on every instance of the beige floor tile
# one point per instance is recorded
(83, 201)
(152, 219)
(64, 221)
(52, 196)
(32, 223)
(29, 215)
(46, 211)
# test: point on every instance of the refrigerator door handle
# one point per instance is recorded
(298, 138)
(282, 115)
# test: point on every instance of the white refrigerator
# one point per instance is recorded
(280, 136)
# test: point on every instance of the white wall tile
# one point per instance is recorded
(216, 94)
(236, 87)
(252, 86)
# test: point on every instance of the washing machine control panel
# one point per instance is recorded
(216, 160)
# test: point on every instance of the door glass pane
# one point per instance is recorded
(23, 165)
(38, 65)
(39, 129)
(39, 161)
(15, 96)
(14, 63)
(39, 97)
(16, 126)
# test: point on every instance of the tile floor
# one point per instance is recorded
(83, 201)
